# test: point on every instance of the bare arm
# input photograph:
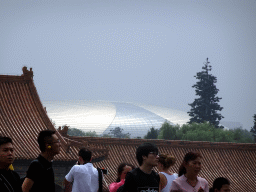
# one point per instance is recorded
(27, 185)
(67, 185)
(163, 181)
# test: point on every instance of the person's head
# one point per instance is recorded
(147, 153)
(85, 156)
(48, 142)
(165, 162)
(191, 164)
(122, 170)
(6, 152)
(220, 184)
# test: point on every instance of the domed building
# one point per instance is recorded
(22, 117)
(103, 116)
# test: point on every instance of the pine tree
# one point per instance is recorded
(152, 133)
(206, 106)
(253, 129)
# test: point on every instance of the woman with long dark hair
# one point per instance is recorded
(220, 184)
(122, 170)
(188, 180)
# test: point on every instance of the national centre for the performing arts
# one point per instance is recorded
(102, 116)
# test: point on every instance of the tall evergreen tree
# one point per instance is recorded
(206, 106)
(152, 133)
(253, 129)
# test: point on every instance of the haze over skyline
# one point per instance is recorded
(134, 51)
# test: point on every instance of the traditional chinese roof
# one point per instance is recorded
(237, 162)
(22, 117)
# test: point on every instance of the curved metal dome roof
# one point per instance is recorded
(102, 116)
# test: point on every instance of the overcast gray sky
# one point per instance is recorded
(143, 51)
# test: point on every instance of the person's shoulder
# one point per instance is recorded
(75, 167)
(115, 185)
(175, 175)
(202, 179)
(134, 171)
(36, 164)
(15, 174)
(133, 174)
(163, 180)
(178, 179)
(91, 165)
(155, 173)
(162, 175)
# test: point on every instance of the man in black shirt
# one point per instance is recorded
(40, 176)
(9, 180)
(143, 178)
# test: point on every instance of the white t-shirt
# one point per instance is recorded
(170, 179)
(85, 178)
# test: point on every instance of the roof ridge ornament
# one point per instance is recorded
(63, 130)
(28, 74)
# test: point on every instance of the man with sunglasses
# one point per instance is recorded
(40, 176)
(143, 178)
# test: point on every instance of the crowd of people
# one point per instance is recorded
(84, 177)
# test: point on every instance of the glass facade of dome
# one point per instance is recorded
(134, 120)
(103, 116)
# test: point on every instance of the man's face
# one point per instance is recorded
(6, 154)
(55, 144)
(152, 159)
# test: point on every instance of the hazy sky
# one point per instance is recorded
(143, 51)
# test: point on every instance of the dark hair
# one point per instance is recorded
(143, 150)
(4, 140)
(121, 168)
(43, 138)
(218, 183)
(190, 156)
(85, 154)
(167, 160)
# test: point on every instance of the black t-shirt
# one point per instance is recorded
(138, 181)
(9, 181)
(40, 171)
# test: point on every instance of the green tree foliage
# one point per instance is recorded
(253, 129)
(207, 132)
(168, 131)
(152, 133)
(197, 132)
(118, 133)
(80, 133)
(91, 134)
(76, 132)
(242, 135)
(106, 136)
(206, 106)
(204, 132)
